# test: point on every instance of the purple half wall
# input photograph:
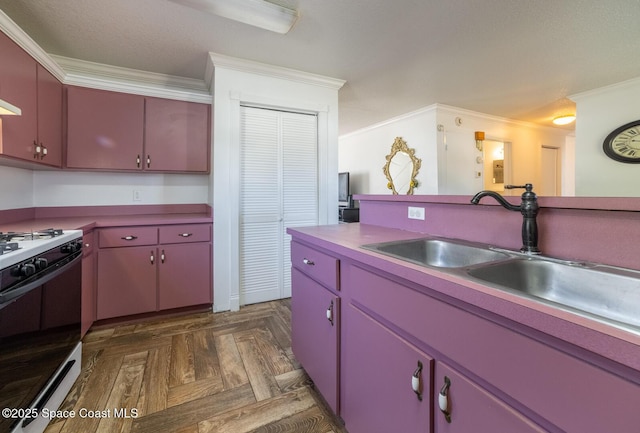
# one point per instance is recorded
(602, 230)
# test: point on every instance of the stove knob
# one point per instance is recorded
(40, 263)
(24, 270)
(71, 247)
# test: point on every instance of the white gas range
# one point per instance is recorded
(40, 315)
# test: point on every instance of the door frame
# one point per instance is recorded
(226, 179)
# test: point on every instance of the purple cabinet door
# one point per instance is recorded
(49, 118)
(377, 377)
(104, 129)
(176, 136)
(88, 282)
(472, 409)
(18, 87)
(184, 275)
(126, 281)
(314, 338)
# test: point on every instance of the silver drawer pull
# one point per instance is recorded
(185, 235)
(308, 262)
(152, 257)
(129, 238)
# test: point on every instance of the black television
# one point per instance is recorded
(344, 198)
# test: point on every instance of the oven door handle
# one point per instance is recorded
(60, 267)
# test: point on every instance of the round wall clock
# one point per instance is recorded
(623, 144)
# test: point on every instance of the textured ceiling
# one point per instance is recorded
(508, 58)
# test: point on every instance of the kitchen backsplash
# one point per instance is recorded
(25, 188)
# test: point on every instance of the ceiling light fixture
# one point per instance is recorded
(9, 109)
(564, 119)
(258, 13)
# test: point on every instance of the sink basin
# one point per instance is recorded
(609, 293)
(437, 252)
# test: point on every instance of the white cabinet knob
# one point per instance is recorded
(415, 381)
(443, 399)
(330, 313)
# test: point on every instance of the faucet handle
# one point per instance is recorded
(528, 187)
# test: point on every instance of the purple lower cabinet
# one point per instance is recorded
(379, 374)
(464, 407)
(557, 388)
(126, 281)
(315, 330)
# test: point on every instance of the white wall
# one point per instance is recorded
(236, 81)
(101, 189)
(363, 152)
(599, 112)
(16, 188)
(444, 139)
(23, 188)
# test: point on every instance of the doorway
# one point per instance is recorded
(278, 189)
(493, 158)
(550, 171)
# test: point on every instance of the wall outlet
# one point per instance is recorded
(136, 195)
(416, 213)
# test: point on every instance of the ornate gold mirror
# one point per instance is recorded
(401, 168)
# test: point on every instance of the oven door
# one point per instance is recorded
(38, 332)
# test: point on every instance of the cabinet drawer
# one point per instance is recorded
(127, 237)
(179, 234)
(319, 266)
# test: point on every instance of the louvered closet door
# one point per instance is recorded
(279, 177)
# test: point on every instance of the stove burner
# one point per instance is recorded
(30, 236)
(7, 247)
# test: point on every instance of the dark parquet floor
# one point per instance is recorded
(231, 372)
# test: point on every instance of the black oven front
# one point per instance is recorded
(40, 330)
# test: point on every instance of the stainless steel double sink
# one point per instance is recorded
(600, 292)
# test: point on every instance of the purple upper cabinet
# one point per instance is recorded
(18, 87)
(380, 372)
(49, 119)
(104, 129)
(118, 131)
(176, 136)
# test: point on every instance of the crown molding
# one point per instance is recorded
(634, 82)
(115, 78)
(430, 108)
(249, 66)
(107, 77)
(24, 41)
(455, 111)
